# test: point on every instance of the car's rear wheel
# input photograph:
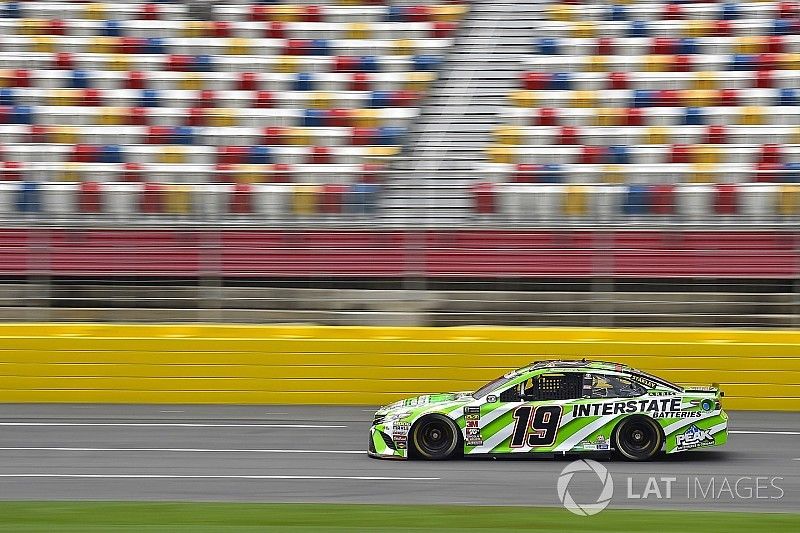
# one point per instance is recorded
(435, 437)
(638, 438)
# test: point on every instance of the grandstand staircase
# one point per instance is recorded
(460, 113)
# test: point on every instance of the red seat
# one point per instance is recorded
(547, 117)
(224, 173)
(63, 61)
(592, 155)
(132, 172)
(248, 81)
(221, 29)
(84, 153)
(138, 117)
(275, 29)
(728, 97)
(634, 116)
(679, 153)
(360, 81)
(662, 199)
(419, 13)
(483, 195)
(345, 64)
(90, 197)
(534, 81)
(726, 199)
(12, 171)
(663, 46)
(339, 118)
(264, 100)
(159, 134)
(56, 27)
(178, 62)
(330, 199)
(150, 12)
(370, 172)
(207, 98)
(21, 78)
(767, 172)
(39, 134)
(526, 173)
(568, 136)
(320, 155)
(282, 173)
(363, 136)
(618, 80)
(91, 98)
(152, 198)
(196, 116)
(312, 14)
(443, 29)
(716, 134)
(136, 80)
(240, 201)
(232, 155)
(765, 79)
(770, 153)
(673, 11)
(605, 46)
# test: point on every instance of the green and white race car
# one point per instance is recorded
(554, 407)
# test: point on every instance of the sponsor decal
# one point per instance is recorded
(694, 437)
(678, 414)
(661, 393)
(630, 406)
(473, 437)
(601, 443)
(707, 405)
(472, 410)
(491, 398)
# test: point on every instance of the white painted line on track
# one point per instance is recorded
(175, 450)
(165, 424)
(744, 432)
(223, 476)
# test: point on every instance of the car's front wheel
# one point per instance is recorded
(435, 437)
(638, 438)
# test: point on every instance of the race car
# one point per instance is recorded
(554, 407)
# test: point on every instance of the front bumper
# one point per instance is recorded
(388, 442)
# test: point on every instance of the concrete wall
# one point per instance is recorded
(364, 365)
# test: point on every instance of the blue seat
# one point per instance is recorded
(361, 199)
(781, 27)
(79, 79)
(638, 28)
(694, 117)
(395, 14)
(155, 45)
(425, 62)
(203, 63)
(11, 10)
(112, 28)
(380, 99)
(111, 153)
(619, 155)
(21, 114)
(183, 135)
(390, 135)
(730, 11)
(368, 64)
(7, 96)
(788, 96)
(320, 47)
(547, 46)
(743, 62)
(29, 197)
(637, 200)
(561, 81)
(313, 118)
(643, 98)
(792, 175)
(259, 155)
(552, 173)
(617, 12)
(687, 46)
(304, 81)
(149, 98)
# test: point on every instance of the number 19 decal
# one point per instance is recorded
(539, 425)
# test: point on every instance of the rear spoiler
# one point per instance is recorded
(714, 388)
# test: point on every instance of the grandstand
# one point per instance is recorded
(552, 142)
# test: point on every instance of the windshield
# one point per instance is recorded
(492, 385)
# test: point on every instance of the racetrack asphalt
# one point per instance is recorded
(318, 454)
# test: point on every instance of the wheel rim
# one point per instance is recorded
(638, 437)
(435, 436)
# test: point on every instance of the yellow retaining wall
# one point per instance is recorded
(364, 365)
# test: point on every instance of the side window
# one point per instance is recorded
(560, 386)
(608, 386)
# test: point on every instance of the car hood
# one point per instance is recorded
(426, 400)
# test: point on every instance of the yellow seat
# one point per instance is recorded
(222, 117)
(560, 12)
(501, 154)
(113, 116)
(583, 30)
(523, 98)
(748, 44)
(30, 27)
(789, 200)
(614, 174)
(178, 200)
(608, 116)
(65, 135)
(195, 28)
(366, 118)
(304, 199)
(358, 30)
(44, 44)
(418, 81)
(751, 115)
(508, 135)
(95, 11)
(172, 155)
(596, 64)
(656, 135)
(705, 154)
(584, 99)
(380, 153)
(321, 100)
(70, 171)
(404, 47)
(287, 64)
(657, 63)
(239, 46)
(575, 201)
(61, 97)
(118, 62)
(705, 80)
(698, 97)
(284, 12)
(298, 137)
(448, 12)
(696, 28)
(703, 173)
(191, 81)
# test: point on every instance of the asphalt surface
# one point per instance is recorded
(317, 454)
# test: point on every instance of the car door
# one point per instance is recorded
(525, 417)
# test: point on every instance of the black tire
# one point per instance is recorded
(435, 437)
(638, 438)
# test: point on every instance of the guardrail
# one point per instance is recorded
(363, 365)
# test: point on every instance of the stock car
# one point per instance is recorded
(554, 407)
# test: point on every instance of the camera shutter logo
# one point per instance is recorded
(585, 509)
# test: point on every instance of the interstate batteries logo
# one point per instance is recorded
(593, 468)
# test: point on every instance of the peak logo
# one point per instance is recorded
(694, 437)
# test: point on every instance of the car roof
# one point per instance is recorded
(576, 364)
